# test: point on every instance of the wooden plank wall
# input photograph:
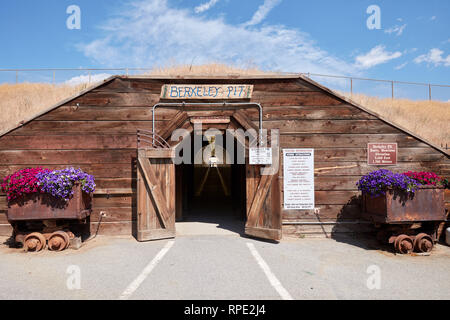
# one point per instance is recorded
(97, 132)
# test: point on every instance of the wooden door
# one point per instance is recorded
(155, 194)
(263, 204)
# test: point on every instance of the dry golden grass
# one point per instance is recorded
(19, 102)
(428, 119)
(207, 69)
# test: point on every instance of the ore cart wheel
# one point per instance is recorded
(423, 243)
(34, 242)
(404, 244)
(58, 241)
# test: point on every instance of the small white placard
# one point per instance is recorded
(298, 179)
(260, 156)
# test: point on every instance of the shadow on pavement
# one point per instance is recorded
(350, 229)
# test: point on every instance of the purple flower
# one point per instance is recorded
(378, 182)
(59, 183)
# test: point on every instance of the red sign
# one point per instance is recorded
(382, 154)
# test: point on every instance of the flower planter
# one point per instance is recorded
(49, 208)
(407, 208)
(427, 204)
(46, 207)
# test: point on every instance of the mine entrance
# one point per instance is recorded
(212, 187)
(206, 189)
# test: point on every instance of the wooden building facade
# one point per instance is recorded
(97, 132)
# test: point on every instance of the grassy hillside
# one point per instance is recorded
(207, 69)
(19, 102)
(428, 119)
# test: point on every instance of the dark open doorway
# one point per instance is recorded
(165, 194)
(212, 193)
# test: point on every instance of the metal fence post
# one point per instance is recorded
(392, 85)
(309, 75)
(351, 87)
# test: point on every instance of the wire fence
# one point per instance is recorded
(349, 85)
(382, 95)
(62, 75)
(392, 85)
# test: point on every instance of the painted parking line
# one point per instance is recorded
(145, 273)
(269, 274)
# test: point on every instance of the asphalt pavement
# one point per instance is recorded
(223, 266)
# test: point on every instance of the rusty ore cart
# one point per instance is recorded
(409, 223)
(41, 218)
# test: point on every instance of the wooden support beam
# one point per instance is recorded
(244, 120)
(177, 122)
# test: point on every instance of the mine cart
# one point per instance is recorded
(410, 223)
(41, 218)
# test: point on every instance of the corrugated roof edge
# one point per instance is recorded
(231, 76)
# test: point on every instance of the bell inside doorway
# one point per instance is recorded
(216, 169)
(213, 191)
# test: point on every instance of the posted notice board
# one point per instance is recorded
(298, 180)
(260, 156)
(382, 154)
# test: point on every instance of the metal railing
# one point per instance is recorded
(134, 71)
(391, 82)
(127, 71)
(147, 138)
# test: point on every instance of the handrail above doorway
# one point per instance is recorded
(224, 104)
(151, 138)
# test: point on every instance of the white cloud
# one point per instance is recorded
(398, 30)
(151, 33)
(87, 79)
(399, 67)
(433, 18)
(377, 55)
(205, 6)
(435, 57)
(408, 51)
(262, 12)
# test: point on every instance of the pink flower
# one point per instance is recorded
(21, 182)
(425, 178)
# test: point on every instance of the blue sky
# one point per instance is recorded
(318, 36)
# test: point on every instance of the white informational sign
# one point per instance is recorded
(298, 179)
(260, 156)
